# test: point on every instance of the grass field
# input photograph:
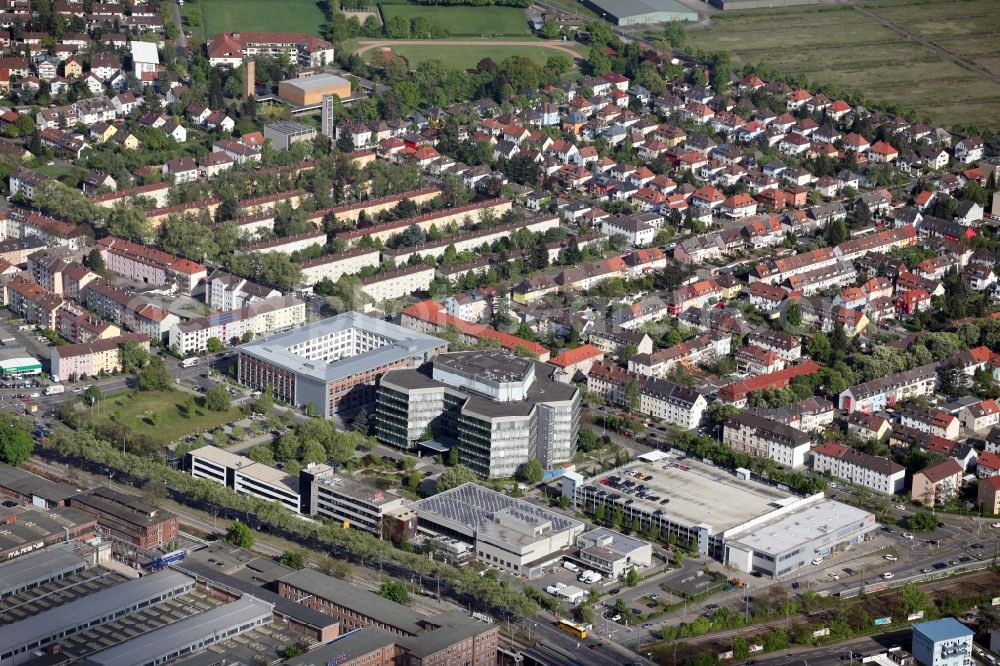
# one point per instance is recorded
(467, 21)
(465, 57)
(845, 47)
(257, 16)
(136, 411)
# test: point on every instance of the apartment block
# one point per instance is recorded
(93, 358)
(878, 474)
(763, 438)
(278, 313)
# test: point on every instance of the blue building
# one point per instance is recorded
(944, 642)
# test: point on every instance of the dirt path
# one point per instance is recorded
(555, 45)
(913, 37)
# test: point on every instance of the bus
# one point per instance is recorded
(573, 628)
(188, 362)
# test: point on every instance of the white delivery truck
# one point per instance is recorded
(569, 566)
(55, 389)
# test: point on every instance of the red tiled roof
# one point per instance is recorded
(434, 313)
(574, 356)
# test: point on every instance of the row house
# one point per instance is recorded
(699, 249)
(933, 421)
(760, 437)
(609, 380)
(126, 309)
(878, 394)
(810, 415)
(738, 392)
(32, 302)
(872, 472)
(150, 266)
(812, 281)
(696, 295)
(77, 325)
(703, 348)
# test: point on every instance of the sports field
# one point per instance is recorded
(941, 59)
(258, 16)
(465, 21)
(465, 57)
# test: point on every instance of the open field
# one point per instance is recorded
(853, 49)
(465, 21)
(136, 411)
(465, 54)
(257, 16)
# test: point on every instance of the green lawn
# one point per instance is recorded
(258, 16)
(465, 57)
(845, 47)
(136, 411)
(69, 174)
(465, 20)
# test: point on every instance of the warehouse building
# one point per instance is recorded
(309, 90)
(25, 530)
(27, 488)
(505, 532)
(783, 547)
(333, 364)
(20, 639)
(38, 568)
(16, 363)
(640, 12)
(758, 4)
(187, 636)
(712, 507)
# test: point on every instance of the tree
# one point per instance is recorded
(836, 232)
(632, 577)
(914, 599)
(132, 357)
(921, 522)
(155, 376)
(531, 472)
(674, 34)
(94, 261)
(240, 535)
(360, 423)
(718, 412)
(632, 393)
(550, 29)
(91, 395)
(292, 559)
(218, 399)
(265, 402)
(793, 314)
(16, 444)
(455, 476)
(214, 345)
(394, 591)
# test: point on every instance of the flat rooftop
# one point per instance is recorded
(699, 493)
(471, 507)
(401, 343)
(806, 526)
(315, 81)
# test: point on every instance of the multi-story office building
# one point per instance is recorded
(329, 494)
(499, 410)
(763, 438)
(245, 476)
(333, 364)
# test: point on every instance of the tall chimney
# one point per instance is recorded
(249, 72)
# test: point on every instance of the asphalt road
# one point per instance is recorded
(841, 653)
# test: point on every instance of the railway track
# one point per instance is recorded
(425, 605)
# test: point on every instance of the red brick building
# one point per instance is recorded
(128, 517)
